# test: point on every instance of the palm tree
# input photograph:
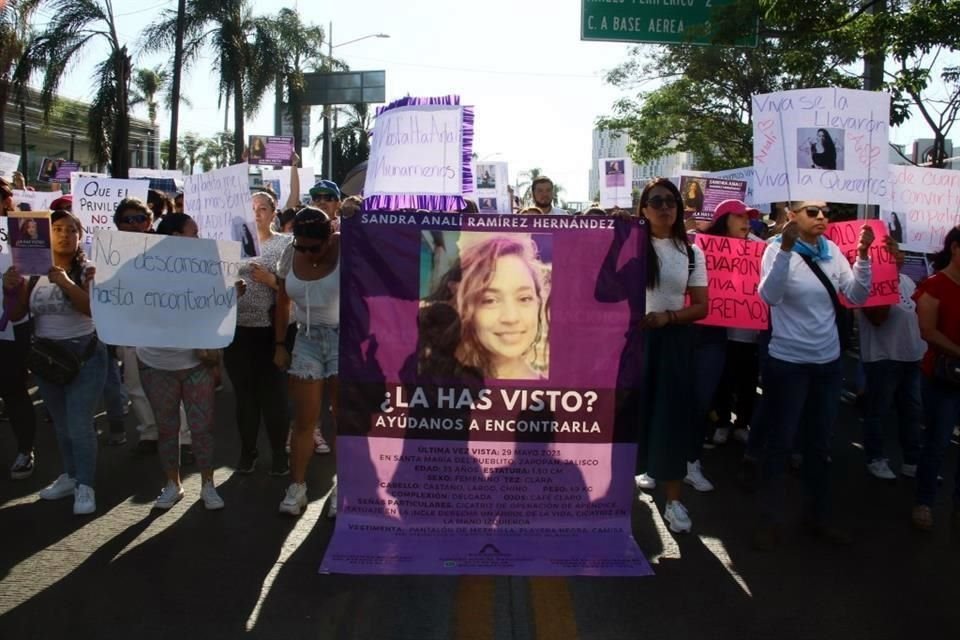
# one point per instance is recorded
(15, 36)
(74, 25)
(147, 83)
(300, 46)
(190, 147)
(245, 53)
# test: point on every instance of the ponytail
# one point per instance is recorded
(942, 259)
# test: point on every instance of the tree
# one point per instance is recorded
(76, 24)
(190, 147)
(243, 48)
(351, 142)
(147, 84)
(15, 36)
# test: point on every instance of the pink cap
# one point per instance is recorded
(736, 207)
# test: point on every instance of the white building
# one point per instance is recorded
(607, 144)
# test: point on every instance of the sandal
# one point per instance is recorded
(922, 517)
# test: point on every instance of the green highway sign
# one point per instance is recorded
(655, 21)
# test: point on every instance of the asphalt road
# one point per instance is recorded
(247, 572)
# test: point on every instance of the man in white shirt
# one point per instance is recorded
(891, 350)
(542, 189)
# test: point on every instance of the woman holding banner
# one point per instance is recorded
(674, 270)
(174, 376)
(309, 277)
(801, 273)
(260, 388)
(938, 308)
(59, 305)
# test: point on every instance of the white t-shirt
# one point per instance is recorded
(675, 275)
(802, 318)
(53, 314)
(167, 359)
(898, 338)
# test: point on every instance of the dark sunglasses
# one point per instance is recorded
(314, 248)
(813, 212)
(325, 197)
(659, 202)
(137, 219)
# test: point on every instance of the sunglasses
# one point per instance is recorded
(137, 219)
(659, 202)
(314, 248)
(813, 212)
(325, 197)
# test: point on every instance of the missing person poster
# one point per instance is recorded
(701, 194)
(56, 170)
(925, 206)
(29, 238)
(272, 150)
(616, 183)
(488, 376)
(491, 189)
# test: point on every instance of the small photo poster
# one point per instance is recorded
(28, 233)
(271, 150)
(616, 183)
(820, 149)
(56, 170)
(614, 174)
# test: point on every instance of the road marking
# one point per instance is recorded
(474, 608)
(552, 607)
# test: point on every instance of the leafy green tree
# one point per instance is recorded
(351, 142)
(15, 36)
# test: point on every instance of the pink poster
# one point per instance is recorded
(733, 272)
(885, 287)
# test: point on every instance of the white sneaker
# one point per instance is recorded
(332, 502)
(880, 469)
(59, 488)
(696, 479)
(678, 520)
(320, 445)
(645, 482)
(741, 435)
(211, 499)
(721, 435)
(908, 470)
(295, 500)
(84, 501)
(171, 495)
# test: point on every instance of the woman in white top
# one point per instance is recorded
(59, 304)
(674, 269)
(309, 272)
(802, 374)
(174, 376)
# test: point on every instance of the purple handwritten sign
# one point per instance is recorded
(488, 378)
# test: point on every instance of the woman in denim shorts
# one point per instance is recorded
(309, 273)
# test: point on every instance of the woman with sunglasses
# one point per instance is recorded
(674, 269)
(802, 373)
(309, 277)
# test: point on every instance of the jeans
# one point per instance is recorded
(72, 406)
(757, 438)
(800, 398)
(892, 383)
(13, 389)
(710, 355)
(942, 410)
(260, 389)
(114, 394)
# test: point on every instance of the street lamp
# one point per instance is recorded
(327, 129)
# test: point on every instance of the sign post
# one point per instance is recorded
(690, 22)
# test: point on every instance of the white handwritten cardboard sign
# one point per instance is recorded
(821, 144)
(95, 200)
(925, 206)
(219, 202)
(164, 291)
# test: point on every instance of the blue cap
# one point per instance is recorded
(328, 187)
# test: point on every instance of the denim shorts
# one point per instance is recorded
(315, 356)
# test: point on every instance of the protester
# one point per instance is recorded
(64, 203)
(13, 376)
(891, 349)
(325, 195)
(802, 372)
(938, 308)
(309, 273)
(543, 196)
(674, 270)
(160, 204)
(260, 388)
(174, 376)
(59, 305)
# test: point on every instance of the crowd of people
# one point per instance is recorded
(283, 361)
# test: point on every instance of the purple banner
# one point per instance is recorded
(271, 150)
(489, 368)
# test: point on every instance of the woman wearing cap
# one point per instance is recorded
(260, 387)
(13, 375)
(325, 195)
(801, 273)
(309, 277)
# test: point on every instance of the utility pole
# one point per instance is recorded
(327, 165)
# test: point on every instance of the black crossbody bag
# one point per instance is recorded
(844, 316)
(51, 361)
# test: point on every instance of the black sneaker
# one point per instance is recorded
(280, 467)
(147, 447)
(247, 464)
(117, 438)
(22, 467)
(186, 455)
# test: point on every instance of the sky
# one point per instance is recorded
(536, 88)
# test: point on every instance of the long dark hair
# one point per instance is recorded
(942, 258)
(79, 258)
(678, 232)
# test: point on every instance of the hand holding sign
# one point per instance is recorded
(866, 239)
(789, 235)
(856, 240)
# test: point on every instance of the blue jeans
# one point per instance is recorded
(115, 398)
(710, 356)
(72, 407)
(941, 406)
(892, 383)
(802, 398)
